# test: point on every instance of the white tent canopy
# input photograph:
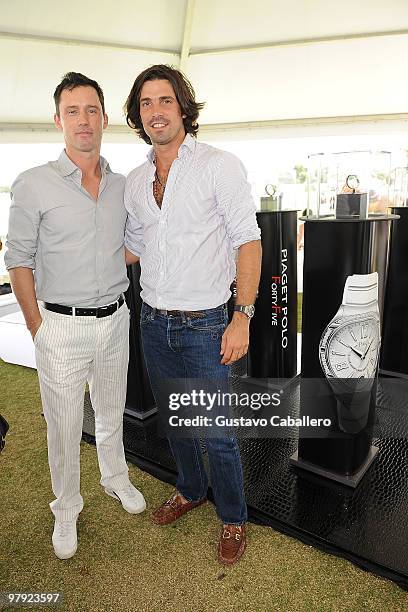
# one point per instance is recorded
(263, 67)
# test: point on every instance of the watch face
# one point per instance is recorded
(250, 311)
(349, 347)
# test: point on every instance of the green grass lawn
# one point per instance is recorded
(125, 563)
(299, 311)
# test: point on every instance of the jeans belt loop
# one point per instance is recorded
(73, 311)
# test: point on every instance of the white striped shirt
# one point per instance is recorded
(187, 248)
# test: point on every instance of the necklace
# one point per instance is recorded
(158, 189)
(159, 185)
(157, 178)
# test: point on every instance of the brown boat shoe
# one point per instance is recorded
(232, 544)
(173, 508)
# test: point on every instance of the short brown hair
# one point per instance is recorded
(184, 93)
(76, 79)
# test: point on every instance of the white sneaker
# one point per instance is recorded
(64, 539)
(131, 499)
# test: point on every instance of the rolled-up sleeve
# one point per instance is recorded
(235, 202)
(24, 223)
(133, 230)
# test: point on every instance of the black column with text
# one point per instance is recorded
(273, 339)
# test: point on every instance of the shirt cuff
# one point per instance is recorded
(18, 260)
(133, 249)
(245, 237)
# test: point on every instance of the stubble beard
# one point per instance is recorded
(87, 147)
(163, 139)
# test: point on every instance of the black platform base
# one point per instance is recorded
(367, 524)
(393, 374)
(351, 480)
(141, 414)
(272, 384)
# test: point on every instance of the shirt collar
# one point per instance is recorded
(67, 166)
(188, 144)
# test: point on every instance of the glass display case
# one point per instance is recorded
(348, 184)
(394, 350)
(399, 187)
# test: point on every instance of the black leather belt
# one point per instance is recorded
(102, 311)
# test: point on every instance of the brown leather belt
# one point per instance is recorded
(179, 313)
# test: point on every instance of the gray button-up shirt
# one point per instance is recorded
(74, 243)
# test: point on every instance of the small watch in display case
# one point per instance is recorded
(272, 201)
(352, 182)
(350, 203)
(348, 184)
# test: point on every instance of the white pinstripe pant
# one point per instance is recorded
(70, 351)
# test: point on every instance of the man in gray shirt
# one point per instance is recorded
(66, 225)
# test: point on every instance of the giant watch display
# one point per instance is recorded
(349, 349)
(350, 344)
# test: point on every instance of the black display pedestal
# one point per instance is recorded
(272, 350)
(350, 480)
(139, 397)
(394, 349)
(334, 250)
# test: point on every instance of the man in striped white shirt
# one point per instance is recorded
(192, 224)
(67, 222)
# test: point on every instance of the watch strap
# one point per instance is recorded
(361, 290)
(247, 309)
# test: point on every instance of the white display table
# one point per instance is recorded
(16, 345)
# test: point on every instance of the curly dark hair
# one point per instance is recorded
(76, 79)
(184, 93)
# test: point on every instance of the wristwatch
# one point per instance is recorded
(248, 310)
(352, 182)
(271, 190)
(350, 344)
(349, 349)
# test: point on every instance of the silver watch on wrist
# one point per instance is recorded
(249, 310)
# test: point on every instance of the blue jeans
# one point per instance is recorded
(183, 347)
